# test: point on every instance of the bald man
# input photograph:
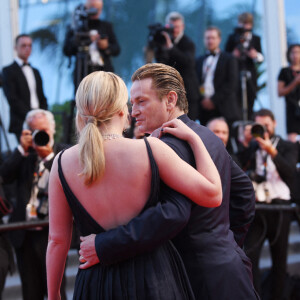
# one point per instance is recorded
(220, 128)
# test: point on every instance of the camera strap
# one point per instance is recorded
(40, 183)
(264, 156)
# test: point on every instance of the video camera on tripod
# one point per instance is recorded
(80, 24)
(240, 37)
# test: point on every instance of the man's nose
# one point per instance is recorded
(135, 111)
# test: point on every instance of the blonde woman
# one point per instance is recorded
(106, 180)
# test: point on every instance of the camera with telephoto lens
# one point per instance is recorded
(40, 137)
(155, 37)
(258, 130)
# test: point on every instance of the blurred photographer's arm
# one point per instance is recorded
(266, 144)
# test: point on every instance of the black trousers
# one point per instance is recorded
(5, 264)
(273, 225)
(31, 260)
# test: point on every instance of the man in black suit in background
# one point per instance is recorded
(179, 53)
(246, 47)
(209, 243)
(22, 85)
(218, 81)
(29, 165)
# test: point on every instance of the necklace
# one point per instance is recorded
(111, 136)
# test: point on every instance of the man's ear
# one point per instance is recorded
(171, 100)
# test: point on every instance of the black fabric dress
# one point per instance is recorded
(292, 100)
(157, 275)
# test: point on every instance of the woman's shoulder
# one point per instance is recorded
(67, 155)
(284, 73)
(286, 70)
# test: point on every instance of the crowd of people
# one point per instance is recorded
(153, 224)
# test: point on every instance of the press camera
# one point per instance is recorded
(239, 40)
(40, 137)
(258, 130)
(155, 37)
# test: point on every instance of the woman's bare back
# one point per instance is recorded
(124, 189)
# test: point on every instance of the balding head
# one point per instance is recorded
(97, 4)
(220, 128)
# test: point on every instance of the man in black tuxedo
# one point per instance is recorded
(30, 165)
(218, 81)
(95, 46)
(178, 51)
(270, 162)
(22, 85)
(217, 267)
(246, 47)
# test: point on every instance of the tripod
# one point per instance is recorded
(244, 77)
(81, 70)
(2, 129)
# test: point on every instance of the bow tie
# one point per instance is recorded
(25, 64)
(210, 53)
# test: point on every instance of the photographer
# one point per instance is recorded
(289, 86)
(172, 47)
(270, 162)
(246, 46)
(30, 165)
(92, 40)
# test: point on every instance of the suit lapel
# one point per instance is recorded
(21, 76)
(219, 67)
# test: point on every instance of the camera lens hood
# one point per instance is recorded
(258, 130)
(40, 137)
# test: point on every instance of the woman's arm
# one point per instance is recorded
(284, 90)
(202, 187)
(60, 234)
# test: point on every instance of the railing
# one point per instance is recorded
(23, 225)
(44, 223)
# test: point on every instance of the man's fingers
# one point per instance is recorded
(82, 259)
(85, 265)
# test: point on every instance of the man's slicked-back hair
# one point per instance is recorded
(164, 80)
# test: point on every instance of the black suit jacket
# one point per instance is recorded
(206, 243)
(225, 82)
(182, 57)
(18, 95)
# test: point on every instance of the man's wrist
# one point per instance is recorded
(272, 151)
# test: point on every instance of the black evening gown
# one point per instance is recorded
(156, 275)
(292, 100)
